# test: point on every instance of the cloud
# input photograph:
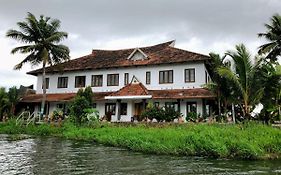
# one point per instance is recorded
(197, 25)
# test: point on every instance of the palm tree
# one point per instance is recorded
(273, 35)
(219, 84)
(244, 78)
(42, 39)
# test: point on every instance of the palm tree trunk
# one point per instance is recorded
(219, 103)
(44, 89)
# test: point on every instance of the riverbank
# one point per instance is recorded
(243, 141)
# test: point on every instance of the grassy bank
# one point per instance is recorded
(247, 141)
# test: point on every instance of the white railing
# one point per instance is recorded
(26, 117)
(22, 117)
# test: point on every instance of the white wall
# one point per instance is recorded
(138, 71)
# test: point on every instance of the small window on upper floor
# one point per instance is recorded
(97, 80)
(47, 81)
(165, 76)
(189, 75)
(62, 82)
(112, 79)
(80, 81)
(148, 77)
(126, 78)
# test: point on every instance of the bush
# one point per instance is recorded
(160, 114)
(91, 116)
(77, 107)
(191, 116)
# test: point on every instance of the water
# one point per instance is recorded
(57, 156)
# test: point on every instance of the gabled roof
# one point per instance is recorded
(135, 51)
(163, 53)
(132, 89)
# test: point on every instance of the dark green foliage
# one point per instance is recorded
(191, 116)
(170, 114)
(160, 114)
(88, 94)
(82, 101)
(77, 107)
(272, 49)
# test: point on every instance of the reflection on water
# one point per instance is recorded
(56, 156)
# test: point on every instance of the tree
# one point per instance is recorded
(42, 38)
(4, 102)
(244, 79)
(273, 35)
(219, 85)
(270, 78)
(13, 96)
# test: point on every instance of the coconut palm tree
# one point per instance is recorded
(244, 78)
(219, 84)
(273, 35)
(41, 38)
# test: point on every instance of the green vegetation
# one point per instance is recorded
(160, 114)
(246, 81)
(80, 107)
(241, 141)
(8, 102)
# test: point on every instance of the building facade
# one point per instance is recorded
(124, 81)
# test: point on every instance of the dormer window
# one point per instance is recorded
(137, 55)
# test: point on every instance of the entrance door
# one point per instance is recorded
(138, 109)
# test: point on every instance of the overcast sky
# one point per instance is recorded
(196, 25)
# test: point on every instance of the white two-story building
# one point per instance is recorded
(124, 81)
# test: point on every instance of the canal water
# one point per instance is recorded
(56, 156)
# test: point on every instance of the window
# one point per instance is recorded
(97, 80)
(189, 75)
(110, 108)
(191, 107)
(126, 78)
(112, 79)
(156, 104)
(173, 105)
(123, 110)
(147, 77)
(165, 76)
(47, 80)
(80, 81)
(62, 82)
(94, 105)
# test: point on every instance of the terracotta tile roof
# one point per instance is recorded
(132, 89)
(182, 93)
(99, 59)
(59, 97)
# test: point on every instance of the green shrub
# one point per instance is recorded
(191, 116)
(160, 114)
(77, 107)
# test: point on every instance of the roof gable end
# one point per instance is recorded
(137, 55)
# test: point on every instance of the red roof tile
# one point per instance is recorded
(132, 89)
(59, 97)
(182, 93)
(100, 59)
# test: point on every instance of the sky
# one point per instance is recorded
(196, 25)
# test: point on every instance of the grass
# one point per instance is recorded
(242, 141)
